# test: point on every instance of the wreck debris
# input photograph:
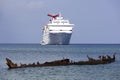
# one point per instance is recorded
(91, 61)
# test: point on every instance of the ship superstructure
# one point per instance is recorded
(58, 31)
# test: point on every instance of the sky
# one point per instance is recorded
(96, 21)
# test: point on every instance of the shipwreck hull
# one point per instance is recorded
(63, 62)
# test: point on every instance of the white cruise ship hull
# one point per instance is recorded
(57, 31)
(57, 39)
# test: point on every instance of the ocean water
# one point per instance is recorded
(29, 53)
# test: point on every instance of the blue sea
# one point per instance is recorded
(29, 53)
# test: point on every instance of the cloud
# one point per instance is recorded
(15, 5)
(34, 4)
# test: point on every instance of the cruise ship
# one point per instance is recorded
(57, 31)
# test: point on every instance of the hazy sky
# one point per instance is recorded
(96, 21)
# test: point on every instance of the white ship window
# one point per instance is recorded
(59, 25)
(56, 21)
(65, 21)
